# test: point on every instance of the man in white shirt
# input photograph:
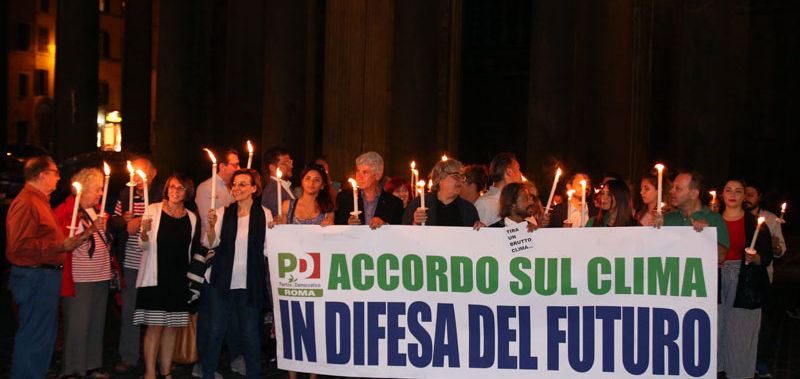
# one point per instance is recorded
(228, 164)
(503, 169)
(277, 158)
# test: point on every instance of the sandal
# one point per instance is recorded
(124, 367)
(164, 376)
(97, 373)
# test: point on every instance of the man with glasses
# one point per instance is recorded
(503, 169)
(443, 206)
(277, 158)
(228, 165)
(36, 247)
(377, 206)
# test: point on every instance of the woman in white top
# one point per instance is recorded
(238, 279)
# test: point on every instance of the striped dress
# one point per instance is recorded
(133, 253)
(166, 304)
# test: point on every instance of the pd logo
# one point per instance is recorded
(301, 266)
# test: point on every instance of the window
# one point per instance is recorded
(40, 83)
(23, 37)
(43, 40)
(105, 6)
(23, 85)
(104, 44)
(44, 6)
(102, 93)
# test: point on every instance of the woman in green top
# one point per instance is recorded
(615, 206)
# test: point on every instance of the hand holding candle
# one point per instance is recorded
(107, 171)
(250, 156)
(552, 191)
(660, 168)
(144, 188)
(77, 206)
(213, 179)
(783, 212)
(751, 250)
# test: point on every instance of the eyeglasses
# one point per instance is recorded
(177, 188)
(241, 184)
(56, 172)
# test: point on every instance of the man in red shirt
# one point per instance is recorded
(36, 247)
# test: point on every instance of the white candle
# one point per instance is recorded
(755, 235)
(132, 185)
(144, 188)
(783, 212)
(413, 179)
(583, 203)
(421, 190)
(72, 226)
(355, 195)
(279, 174)
(107, 171)
(250, 154)
(660, 168)
(213, 179)
(552, 191)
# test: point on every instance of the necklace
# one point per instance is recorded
(177, 213)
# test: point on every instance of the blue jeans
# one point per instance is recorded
(221, 314)
(37, 292)
(233, 337)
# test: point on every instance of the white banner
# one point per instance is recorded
(412, 302)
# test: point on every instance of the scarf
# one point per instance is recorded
(87, 221)
(256, 264)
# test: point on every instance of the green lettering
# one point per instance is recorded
(437, 267)
(619, 277)
(360, 282)
(286, 263)
(693, 279)
(486, 272)
(662, 276)
(461, 271)
(638, 276)
(388, 262)
(596, 286)
(339, 277)
(523, 284)
(566, 277)
(551, 277)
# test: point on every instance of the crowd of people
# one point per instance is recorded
(168, 260)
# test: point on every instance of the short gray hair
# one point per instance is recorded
(442, 169)
(86, 176)
(371, 159)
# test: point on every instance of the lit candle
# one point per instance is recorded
(355, 196)
(213, 179)
(421, 190)
(755, 235)
(250, 154)
(583, 203)
(713, 196)
(553, 191)
(570, 193)
(660, 168)
(132, 185)
(524, 179)
(72, 226)
(413, 164)
(783, 212)
(415, 176)
(430, 184)
(107, 171)
(144, 188)
(279, 174)
(444, 158)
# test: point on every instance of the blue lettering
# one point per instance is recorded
(555, 336)
(337, 353)
(420, 355)
(504, 337)
(703, 343)
(445, 323)
(665, 331)
(394, 334)
(481, 315)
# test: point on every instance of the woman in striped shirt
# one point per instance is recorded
(85, 313)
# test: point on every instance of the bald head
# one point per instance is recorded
(145, 165)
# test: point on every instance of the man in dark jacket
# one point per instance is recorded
(376, 207)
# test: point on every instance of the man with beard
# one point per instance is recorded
(752, 203)
(516, 204)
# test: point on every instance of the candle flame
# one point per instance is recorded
(597, 190)
(558, 172)
(583, 184)
(663, 205)
(211, 155)
(430, 183)
(444, 158)
(783, 207)
(106, 169)
(278, 173)
(570, 193)
(77, 187)
(130, 168)
(421, 184)
(249, 147)
(413, 165)
(712, 193)
(524, 179)
(415, 171)
(141, 175)
(761, 220)
(353, 183)
(660, 167)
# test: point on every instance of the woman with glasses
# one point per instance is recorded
(238, 283)
(443, 206)
(315, 204)
(169, 232)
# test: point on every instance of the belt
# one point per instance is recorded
(46, 266)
